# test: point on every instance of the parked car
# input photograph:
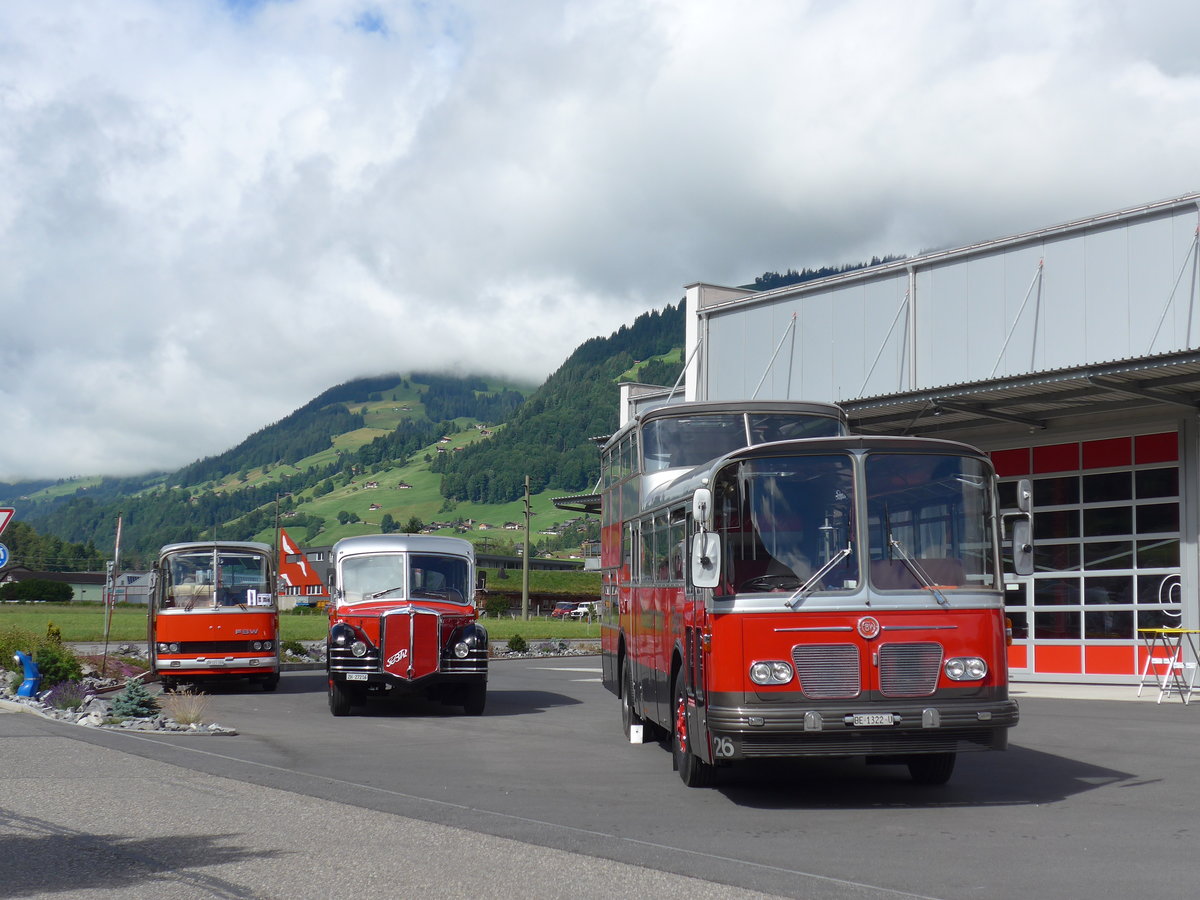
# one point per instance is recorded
(583, 611)
(562, 608)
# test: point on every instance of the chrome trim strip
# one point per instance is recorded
(818, 628)
(919, 628)
(265, 663)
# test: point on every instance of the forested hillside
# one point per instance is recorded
(548, 438)
(276, 470)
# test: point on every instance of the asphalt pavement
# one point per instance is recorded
(80, 820)
(541, 797)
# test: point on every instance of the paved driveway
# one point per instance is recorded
(541, 797)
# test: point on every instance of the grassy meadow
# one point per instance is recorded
(85, 622)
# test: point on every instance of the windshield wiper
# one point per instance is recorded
(809, 586)
(378, 594)
(917, 571)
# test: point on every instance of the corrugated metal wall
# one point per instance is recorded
(1086, 292)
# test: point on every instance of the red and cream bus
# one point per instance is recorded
(404, 622)
(213, 614)
(775, 587)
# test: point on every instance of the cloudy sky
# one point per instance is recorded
(212, 210)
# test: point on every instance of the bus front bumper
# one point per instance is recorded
(849, 729)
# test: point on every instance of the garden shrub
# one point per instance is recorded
(517, 644)
(55, 662)
(496, 606)
(293, 647)
(187, 707)
(135, 702)
(66, 695)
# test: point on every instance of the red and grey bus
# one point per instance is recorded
(776, 587)
(213, 614)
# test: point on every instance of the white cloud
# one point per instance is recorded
(213, 211)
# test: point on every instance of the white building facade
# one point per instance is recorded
(1070, 353)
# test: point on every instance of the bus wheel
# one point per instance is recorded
(339, 699)
(628, 717)
(475, 697)
(931, 768)
(694, 771)
(269, 684)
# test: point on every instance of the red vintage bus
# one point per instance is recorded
(774, 587)
(213, 614)
(404, 622)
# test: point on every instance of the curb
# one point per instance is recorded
(16, 706)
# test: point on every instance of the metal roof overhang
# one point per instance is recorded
(1036, 401)
(582, 503)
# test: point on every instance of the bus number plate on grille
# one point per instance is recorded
(873, 719)
(356, 676)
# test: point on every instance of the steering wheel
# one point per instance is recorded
(771, 583)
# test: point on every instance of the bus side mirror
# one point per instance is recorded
(706, 553)
(1022, 529)
(702, 508)
(1022, 545)
(1025, 496)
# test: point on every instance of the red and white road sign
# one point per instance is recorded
(6, 513)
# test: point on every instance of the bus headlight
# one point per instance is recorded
(168, 648)
(774, 671)
(461, 649)
(965, 668)
(267, 645)
(358, 648)
(257, 645)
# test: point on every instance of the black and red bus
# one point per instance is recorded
(776, 587)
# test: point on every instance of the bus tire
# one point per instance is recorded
(931, 768)
(475, 697)
(269, 684)
(339, 699)
(628, 717)
(694, 771)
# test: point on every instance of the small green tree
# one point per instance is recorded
(496, 606)
(135, 702)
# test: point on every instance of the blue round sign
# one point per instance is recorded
(3, 556)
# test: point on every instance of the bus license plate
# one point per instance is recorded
(356, 676)
(874, 719)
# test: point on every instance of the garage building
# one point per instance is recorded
(1069, 353)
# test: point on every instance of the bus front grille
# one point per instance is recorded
(909, 670)
(827, 671)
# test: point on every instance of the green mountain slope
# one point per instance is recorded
(393, 452)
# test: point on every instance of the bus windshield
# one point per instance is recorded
(787, 523)
(930, 522)
(217, 579)
(686, 441)
(400, 576)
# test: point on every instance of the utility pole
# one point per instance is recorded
(114, 572)
(525, 559)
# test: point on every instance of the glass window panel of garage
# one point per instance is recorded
(1106, 551)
